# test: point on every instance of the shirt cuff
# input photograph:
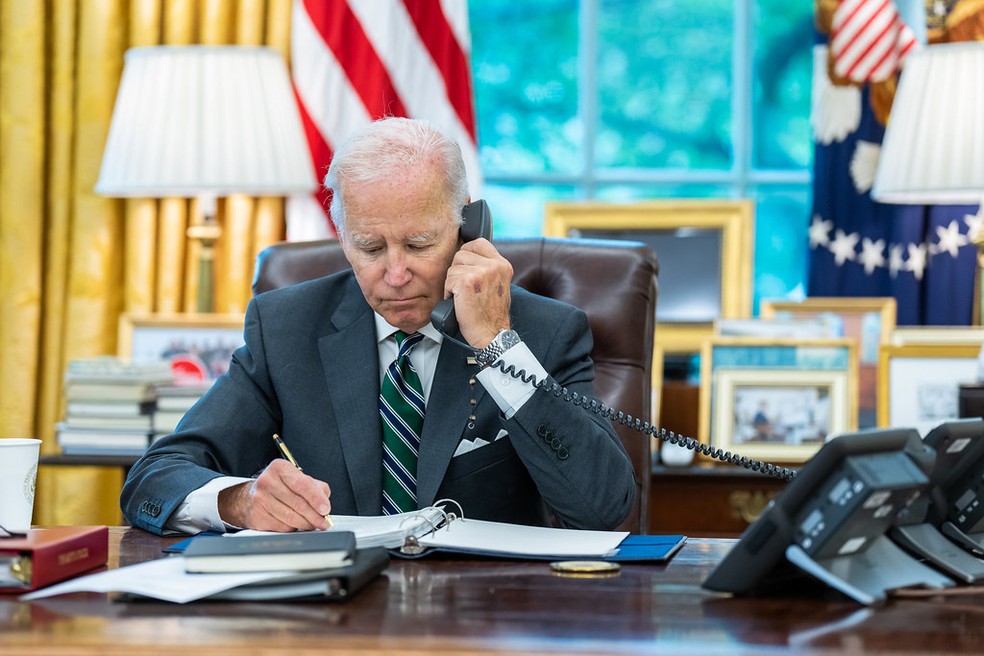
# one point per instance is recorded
(200, 509)
(511, 393)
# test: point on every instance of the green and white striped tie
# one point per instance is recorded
(401, 406)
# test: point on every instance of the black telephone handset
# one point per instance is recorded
(476, 221)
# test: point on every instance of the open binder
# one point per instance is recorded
(438, 529)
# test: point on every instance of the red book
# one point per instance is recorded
(49, 555)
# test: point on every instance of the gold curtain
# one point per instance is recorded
(64, 251)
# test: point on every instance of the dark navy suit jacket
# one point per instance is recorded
(309, 371)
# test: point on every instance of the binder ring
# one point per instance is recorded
(450, 516)
(411, 545)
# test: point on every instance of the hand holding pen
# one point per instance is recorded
(290, 458)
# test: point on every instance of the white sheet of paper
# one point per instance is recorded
(163, 579)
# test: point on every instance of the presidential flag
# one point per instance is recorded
(921, 255)
(354, 61)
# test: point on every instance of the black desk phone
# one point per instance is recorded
(957, 483)
(834, 521)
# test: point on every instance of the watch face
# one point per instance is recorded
(505, 340)
(509, 339)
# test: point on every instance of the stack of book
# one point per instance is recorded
(172, 402)
(109, 406)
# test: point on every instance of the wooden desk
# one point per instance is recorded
(472, 607)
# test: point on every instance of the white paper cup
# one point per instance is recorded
(18, 474)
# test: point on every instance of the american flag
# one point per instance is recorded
(868, 40)
(355, 61)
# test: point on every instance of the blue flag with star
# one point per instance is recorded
(921, 255)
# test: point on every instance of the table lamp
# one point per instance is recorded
(205, 122)
(933, 150)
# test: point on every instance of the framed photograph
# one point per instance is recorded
(777, 399)
(705, 251)
(869, 321)
(919, 384)
(778, 415)
(199, 346)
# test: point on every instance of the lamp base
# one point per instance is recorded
(207, 233)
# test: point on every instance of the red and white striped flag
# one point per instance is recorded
(868, 40)
(355, 61)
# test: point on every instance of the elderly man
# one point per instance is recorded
(381, 411)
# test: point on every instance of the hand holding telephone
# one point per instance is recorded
(476, 221)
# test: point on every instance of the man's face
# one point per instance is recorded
(400, 239)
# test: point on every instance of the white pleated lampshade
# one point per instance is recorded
(933, 150)
(205, 120)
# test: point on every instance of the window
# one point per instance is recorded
(625, 100)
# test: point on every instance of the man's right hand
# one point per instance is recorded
(282, 498)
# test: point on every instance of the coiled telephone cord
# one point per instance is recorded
(597, 407)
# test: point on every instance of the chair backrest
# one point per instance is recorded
(614, 282)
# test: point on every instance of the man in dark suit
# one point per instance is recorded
(316, 354)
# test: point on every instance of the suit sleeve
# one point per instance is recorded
(574, 456)
(221, 435)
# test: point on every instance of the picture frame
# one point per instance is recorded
(973, 335)
(870, 321)
(716, 233)
(735, 369)
(779, 415)
(919, 384)
(199, 346)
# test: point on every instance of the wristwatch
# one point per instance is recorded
(505, 340)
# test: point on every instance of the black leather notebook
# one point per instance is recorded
(273, 552)
(337, 584)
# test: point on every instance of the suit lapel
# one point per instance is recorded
(448, 407)
(351, 364)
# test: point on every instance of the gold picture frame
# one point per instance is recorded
(918, 384)
(751, 361)
(730, 222)
(198, 345)
(748, 417)
(938, 335)
(870, 321)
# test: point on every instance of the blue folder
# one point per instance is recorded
(648, 548)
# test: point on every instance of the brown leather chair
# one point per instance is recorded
(614, 282)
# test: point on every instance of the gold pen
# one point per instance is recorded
(290, 458)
